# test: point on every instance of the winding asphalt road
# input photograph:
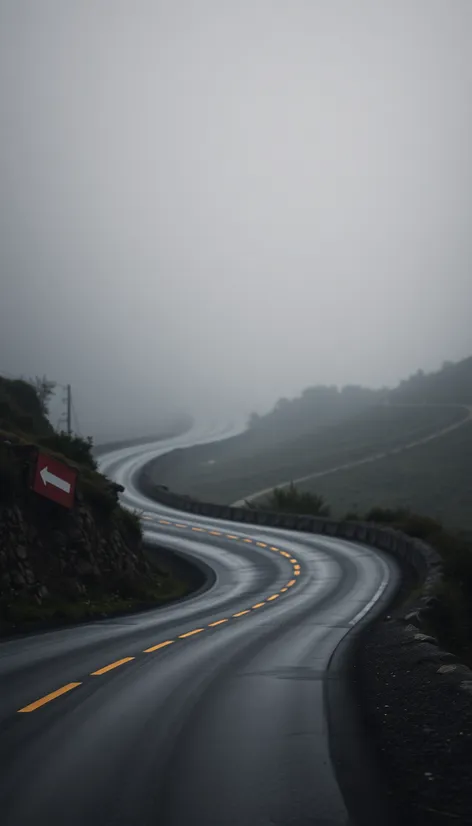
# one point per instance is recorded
(228, 708)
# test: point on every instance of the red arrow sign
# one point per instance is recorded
(55, 480)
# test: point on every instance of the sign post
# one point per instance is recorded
(55, 480)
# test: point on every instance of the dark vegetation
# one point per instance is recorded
(452, 384)
(450, 619)
(315, 407)
(321, 405)
(291, 500)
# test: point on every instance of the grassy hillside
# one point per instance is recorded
(314, 433)
(236, 468)
(434, 478)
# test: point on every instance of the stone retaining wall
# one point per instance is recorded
(424, 560)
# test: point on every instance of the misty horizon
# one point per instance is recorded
(203, 211)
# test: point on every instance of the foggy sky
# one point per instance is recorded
(208, 204)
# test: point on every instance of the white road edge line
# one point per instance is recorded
(378, 593)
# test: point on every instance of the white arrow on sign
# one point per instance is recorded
(47, 476)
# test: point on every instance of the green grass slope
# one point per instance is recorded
(434, 478)
(231, 470)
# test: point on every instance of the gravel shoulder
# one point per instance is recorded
(417, 705)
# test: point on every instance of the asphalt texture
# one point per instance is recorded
(221, 709)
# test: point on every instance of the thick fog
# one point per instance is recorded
(208, 205)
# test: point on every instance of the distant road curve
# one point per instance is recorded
(373, 458)
(229, 708)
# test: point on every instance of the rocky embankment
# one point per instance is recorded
(74, 560)
(67, 563)
(59, 564)
(63, 556)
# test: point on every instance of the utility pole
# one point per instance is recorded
(69, 409)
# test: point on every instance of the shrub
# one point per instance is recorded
(20, 408)
(290, 500)
(413, 524)
(387, 516)
(130, 523)
(451, 617)
(10, 475)
(99, 493)
(72, 447)
(352, 516)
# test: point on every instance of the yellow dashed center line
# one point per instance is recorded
(296, 572)
(48, 698)
(156, 647)
(164, 522)
(200, 530)
(111, 666)
(177, 525)
(190, 633)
